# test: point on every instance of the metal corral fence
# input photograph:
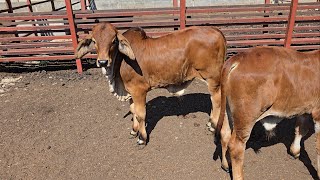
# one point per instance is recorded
(53, 36)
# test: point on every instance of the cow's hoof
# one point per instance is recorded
(210, 128)
(226, 169)
(133, 134)
(295, 156)
(141, 142)
(294, 152)
(208, 124)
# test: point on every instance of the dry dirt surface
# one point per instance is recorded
(61, 125)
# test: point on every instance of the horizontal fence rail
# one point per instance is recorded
(53, 36)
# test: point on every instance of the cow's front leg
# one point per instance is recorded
(135, 123)
(139, 101)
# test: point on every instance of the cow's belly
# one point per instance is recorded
(286, 112)
(178, 90)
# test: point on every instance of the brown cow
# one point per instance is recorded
(135, 63)
(268, 81)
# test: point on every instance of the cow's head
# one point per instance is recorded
(107, 41)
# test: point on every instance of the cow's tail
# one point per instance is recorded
(225, 45)
(226, 70)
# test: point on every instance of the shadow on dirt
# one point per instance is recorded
(284, 134)
(162, 106)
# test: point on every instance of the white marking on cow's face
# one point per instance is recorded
(270, 122)
(317, 127)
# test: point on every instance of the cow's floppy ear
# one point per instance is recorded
(84, 47)
(124, 46)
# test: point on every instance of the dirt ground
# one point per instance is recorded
(61, 125)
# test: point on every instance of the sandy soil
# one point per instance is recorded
(61, 125)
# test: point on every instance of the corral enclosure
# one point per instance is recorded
(65, 125)
(46, 37)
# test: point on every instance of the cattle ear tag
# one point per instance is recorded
(124, 46)
(84, 47)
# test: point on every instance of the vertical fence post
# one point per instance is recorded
(291, 21)
(182, 14)
(73, 32)
(53, 7)
(29, 5)
(266, 16)
(175, 5)
(83, 5)
(10, 10)
(9, 6)
(31, 10)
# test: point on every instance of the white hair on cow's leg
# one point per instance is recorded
(133, 133)
(104, 71)
(140, 141)
(317, 127)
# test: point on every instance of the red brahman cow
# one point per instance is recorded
(262, 82)
(135, 63)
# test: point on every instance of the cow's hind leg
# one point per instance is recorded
(225, 138)
(135, 123)
(301, 130)
(215, 96)
(237, 145)
(215, 92)
(316, 119)
(140, 112)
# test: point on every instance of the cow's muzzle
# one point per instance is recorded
(101, 63)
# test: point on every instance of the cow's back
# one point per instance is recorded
(284, 80)
(175, 58)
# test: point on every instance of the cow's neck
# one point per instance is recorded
(116, 86)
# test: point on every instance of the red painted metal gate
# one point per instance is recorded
(48, 36)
